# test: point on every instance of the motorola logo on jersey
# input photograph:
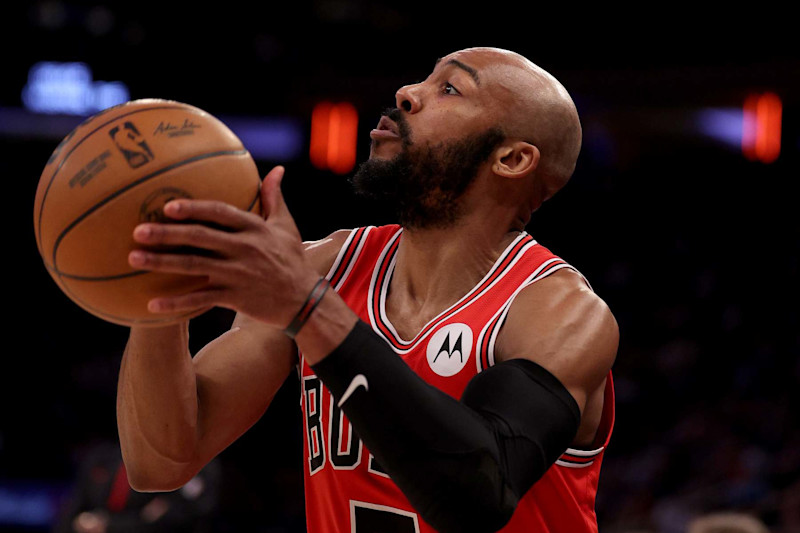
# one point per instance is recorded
(449, 349)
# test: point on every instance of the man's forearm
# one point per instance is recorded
(157, 407)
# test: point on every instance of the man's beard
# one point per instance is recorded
(422, 184)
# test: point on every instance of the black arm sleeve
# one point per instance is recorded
(465, 464)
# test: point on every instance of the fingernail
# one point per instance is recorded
(173, 207)
(141, 231)
(136, 258)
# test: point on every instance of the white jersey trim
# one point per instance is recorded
(585, 453)
(337, 264)
(340, 255)
(580, 456)
(384, 508)
(565, 464)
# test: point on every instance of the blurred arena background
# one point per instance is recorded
(680, 213)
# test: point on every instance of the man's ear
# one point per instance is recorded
(516, 160)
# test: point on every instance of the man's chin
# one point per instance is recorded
(384, 150)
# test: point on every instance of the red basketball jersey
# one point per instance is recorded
(346, 490)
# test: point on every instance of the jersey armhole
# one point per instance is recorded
(581, 458)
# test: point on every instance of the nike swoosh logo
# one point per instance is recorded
(358, 381)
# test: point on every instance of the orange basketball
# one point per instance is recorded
(117, 169)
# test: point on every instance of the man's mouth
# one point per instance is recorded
(386, 129)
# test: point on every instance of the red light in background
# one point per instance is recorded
(761, 128)
(318, 150)
(334, 132)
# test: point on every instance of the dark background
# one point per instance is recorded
(694, 247)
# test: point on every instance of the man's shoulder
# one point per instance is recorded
(333, 240)
(564, 295)
(322, 252)
(563, 282)
(562, 324)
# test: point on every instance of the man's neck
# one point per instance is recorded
(436, 267)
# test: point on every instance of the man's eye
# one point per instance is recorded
(448, 88)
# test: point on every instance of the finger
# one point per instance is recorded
(195, 235)
(186, 302)
(175, 263)
(212, 211)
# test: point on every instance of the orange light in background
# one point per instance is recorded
(761, 128)
(334, 133)
(318, 150)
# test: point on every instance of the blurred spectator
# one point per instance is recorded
(790, 508)
(727, 522)
(102, 500)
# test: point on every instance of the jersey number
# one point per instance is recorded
(344, 448)
(342, 444)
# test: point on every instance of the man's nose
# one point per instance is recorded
(408, 98)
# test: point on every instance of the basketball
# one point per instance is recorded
(118, 169)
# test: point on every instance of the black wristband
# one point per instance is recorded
(311, 303)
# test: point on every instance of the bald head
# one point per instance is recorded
(534, 107)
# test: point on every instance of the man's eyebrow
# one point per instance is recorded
(468, 69)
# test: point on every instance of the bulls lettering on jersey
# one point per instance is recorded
(346, 489)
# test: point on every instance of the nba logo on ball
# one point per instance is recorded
(131, 144)
(449, 349)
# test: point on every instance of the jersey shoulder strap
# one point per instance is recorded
(363, 245)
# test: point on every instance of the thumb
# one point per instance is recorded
(273, 206)
(272, 202)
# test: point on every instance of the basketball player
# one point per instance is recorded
(455, 374)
